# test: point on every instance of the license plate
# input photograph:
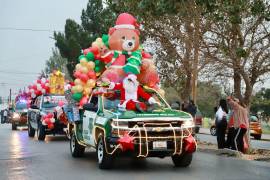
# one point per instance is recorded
(159, 145)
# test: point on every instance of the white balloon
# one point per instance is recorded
(39, 87)
(43, 91)
(43, 80)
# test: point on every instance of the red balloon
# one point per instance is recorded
(83, 101)
(91, 74)
(34, 87)
(38, 81)
(43, 85)
(84, 77)
(94, 50)
(50, 115)
(85, 51)
(77, 74)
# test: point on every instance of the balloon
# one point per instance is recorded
(78, 67)
(82, 57)
(87, 91)
(77, 74)
(84, 70)
(84, 77)
(61, 103)
(38, 81)
(83, 62)
(74, 89)
(79, 88)
(43, 85)
(91, 83)
(34, 87)
(50, 115)
(85, 51)
(91, 74)
(33, 95)
(90, 65)
(43, 91)
(90, 56)
(83, 100)
(43, 80)
(39, 87)
(77, 81)
(77, 96)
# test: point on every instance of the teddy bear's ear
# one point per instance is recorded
(111, 30)
(137, 32)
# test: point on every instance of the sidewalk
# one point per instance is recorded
(265, 137)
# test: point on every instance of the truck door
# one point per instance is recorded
(89, 117)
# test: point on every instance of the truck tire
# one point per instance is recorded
(13, 126)
(105, 161)
(41, 132)
(182, 160)
(76, 149)
(31, 131)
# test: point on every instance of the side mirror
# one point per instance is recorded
(33, 106)
(175, 106)
(90, 107)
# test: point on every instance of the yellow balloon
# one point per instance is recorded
(91, 83)
(99, 40)
(83, 62)
(87, 91)
(74, 89)
(84, 70)
(79, 88)
(78, 82)
(78, 67)
(90, 65)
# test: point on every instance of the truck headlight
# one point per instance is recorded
(188, 124)
(16, 115)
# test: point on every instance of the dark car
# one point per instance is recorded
(19, 116)
(42, 106)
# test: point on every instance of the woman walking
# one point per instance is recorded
(240, 121)
(221, 123)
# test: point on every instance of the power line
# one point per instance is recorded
(26, 29)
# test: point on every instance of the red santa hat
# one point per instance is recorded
(126, 21)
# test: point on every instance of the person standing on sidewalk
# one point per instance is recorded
(221, 123)
(241, 123)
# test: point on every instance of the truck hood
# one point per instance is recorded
(157, 114)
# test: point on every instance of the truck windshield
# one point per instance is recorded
(52, 101)
(112, 100)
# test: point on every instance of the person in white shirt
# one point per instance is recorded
(221, 123)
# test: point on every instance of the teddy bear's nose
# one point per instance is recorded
(130, 43)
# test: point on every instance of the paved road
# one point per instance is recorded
(204, 135)
(22, 158)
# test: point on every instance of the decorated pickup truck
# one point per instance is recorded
(160, 132)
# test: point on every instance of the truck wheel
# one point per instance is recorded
(105, 161)
(14, 126)
(182, 160)
(213, 131)
(257, 137)
(31, 131)
(41, 133)
(76, 149)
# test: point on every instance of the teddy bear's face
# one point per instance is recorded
(124, 39)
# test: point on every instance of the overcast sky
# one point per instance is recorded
(23, 53)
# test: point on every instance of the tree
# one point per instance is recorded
(240, 41)
(177, 27)
(261, 103)
(56, 62)
(96, 20)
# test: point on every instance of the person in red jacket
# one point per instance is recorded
(130, 92)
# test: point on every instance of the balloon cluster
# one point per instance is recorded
(48, 120)
(86, 72)
(39, 87)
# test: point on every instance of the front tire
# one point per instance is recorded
(105, 161)
(76, 149)
(182, 160)
(41, 133)
(31, 131)
(13, 126)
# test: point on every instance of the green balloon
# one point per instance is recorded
(90, 56)
(77, 96)
(81, 56)
(97, 69)
(97, 62)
